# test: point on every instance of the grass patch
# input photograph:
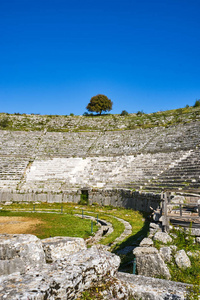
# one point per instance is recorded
(118, 230)
(106, 213)
(54, 224)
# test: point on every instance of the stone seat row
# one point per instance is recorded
(89, 143)
(97, 171)
(183, 175)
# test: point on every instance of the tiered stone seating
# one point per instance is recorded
(103, 171)
(66, 144)
(185, 175)
(16, 148)
(12, 170)
(19, 143)
(122, 142)
(151, 158)
(179, 137)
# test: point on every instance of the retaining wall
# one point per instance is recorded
(115, 197)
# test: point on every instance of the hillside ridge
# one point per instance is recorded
(106, 122)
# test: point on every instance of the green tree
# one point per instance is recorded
(124, 113)
(197, 103)
(99, 103)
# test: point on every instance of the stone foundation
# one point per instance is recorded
(115, 197)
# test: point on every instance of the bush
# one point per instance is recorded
(124, 113)
(140, 112)
(4, 121)
(84, 200)
(197, 103)
(71, 115)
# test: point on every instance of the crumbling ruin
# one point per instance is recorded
(56, 268)
(125, 168)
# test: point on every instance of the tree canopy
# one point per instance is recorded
(99, 103)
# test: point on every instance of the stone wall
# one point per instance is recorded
(125, 198)
(115, 197)
(49, 197)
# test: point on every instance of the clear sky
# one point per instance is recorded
(56, 54)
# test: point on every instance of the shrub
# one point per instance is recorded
(140, 112)
(4, 121)
(124, 113)
(84, 200)
(197, 103)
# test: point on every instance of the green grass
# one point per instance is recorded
(65, 220)
(118, 230)
(54, 224)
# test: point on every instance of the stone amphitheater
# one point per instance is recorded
(149, 160)
(114, 161)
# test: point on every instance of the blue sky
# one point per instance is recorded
(56, 54)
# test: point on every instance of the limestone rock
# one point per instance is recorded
(166, 254)
(162, 237)
(154, 226)
(173, 235)
(19, 252)
(182, 260)
(178, 199)
(63, 279)
(144, 250)
(148, 288)
(193, 231)
(198, 240)
(150, 263)
(194, 254)
(173, 247)
(156, 216)
(146, 242)
(60, 247)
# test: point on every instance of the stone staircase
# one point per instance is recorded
(106, 171)
(183, 175)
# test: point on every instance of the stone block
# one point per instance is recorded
(162, 237)
(19, 252)
(166, 254)
(56, 248)
(182, 260)
(146, 242)
(150, 263)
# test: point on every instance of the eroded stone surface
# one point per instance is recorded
(67, 276)
(166, 254)
(150, 263)
(182, 260)
(63, 279)
(146, 242)
(162, 237)
(141, 287)
(60, 247)
(19, 252)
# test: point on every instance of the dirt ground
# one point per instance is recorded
(12, 225)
